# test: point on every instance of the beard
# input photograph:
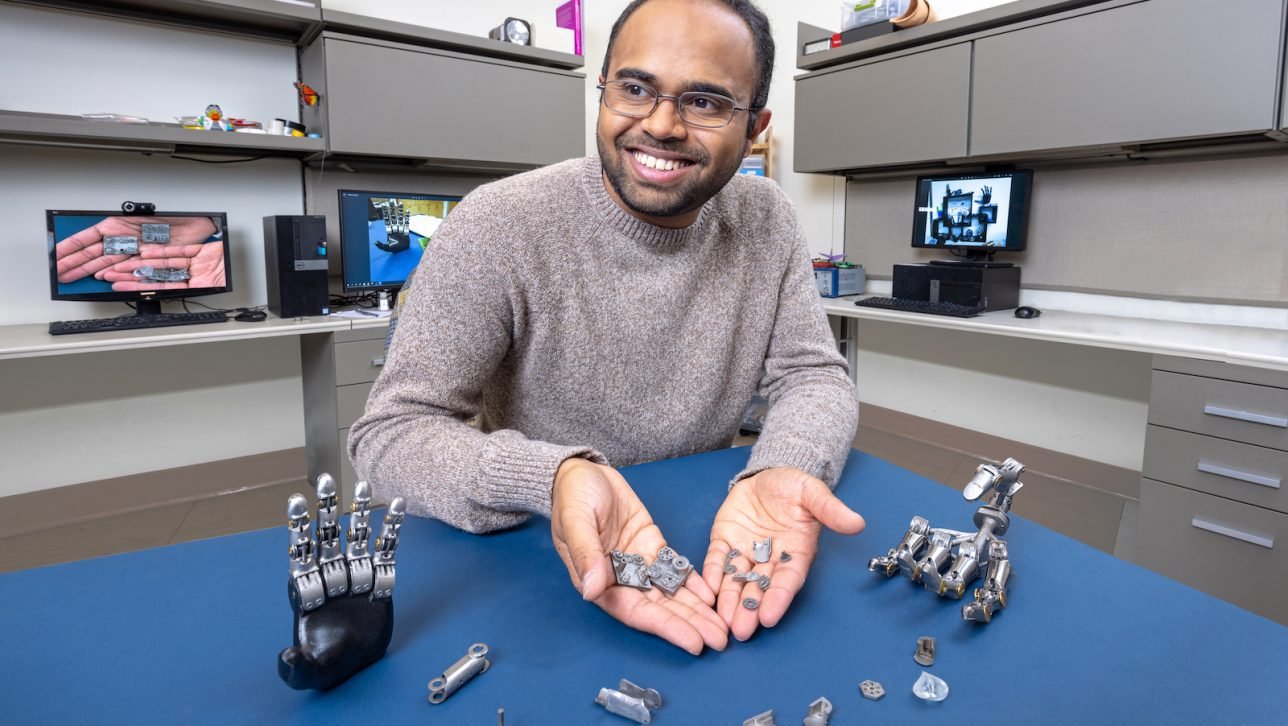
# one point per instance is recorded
(652, 201)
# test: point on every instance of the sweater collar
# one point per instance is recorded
(628, 224)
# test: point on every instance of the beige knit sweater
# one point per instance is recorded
(571, 328)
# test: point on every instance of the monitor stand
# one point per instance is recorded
(975, 258)
(147, 307)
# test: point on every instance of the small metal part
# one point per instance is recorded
(630, 570)
(750, 603)
(500, 717)
(120, 245)
(762, 719)
(362, 575)
(785, 557)
(161, 274)
(925, 654)
(760, 550)
(669, 571)
(157, 234)
(872, 690)
(386, 543)
(728, 568)
(992, 596)
(930, 687)
(745, 577)
(335, 572)
(819, 713)
(459, 673)
(306, 582)
(618, 703)
(763, 581)
(651, 698)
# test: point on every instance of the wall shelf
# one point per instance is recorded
(280, 19)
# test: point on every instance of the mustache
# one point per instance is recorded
(696, 154)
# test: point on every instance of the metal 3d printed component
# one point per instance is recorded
(785, 557)
(630, 701)
(157, 234)
(729, 569)
(386, 543)
(120, 245)
(459, 673)
(762, 719)
(925, 554)
(629, 569)
(760, 550)
(668, 571)
(819, 713)
(161, 274)
(930, 688)
(925, 654)
(361, 573)
(872, 690)
(335, 573)
(750, 603)
(306, 582)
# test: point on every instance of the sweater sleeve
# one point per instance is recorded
(813, 410)
(413, 440)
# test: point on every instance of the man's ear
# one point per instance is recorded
(757, 128)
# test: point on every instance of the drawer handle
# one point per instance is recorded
(1235, 413)
(1256, 539)
(1227, 472)
(377, 362)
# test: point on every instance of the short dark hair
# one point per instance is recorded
(761, 36)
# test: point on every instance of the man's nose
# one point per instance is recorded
(665, 121)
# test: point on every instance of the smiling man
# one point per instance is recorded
(609, 311)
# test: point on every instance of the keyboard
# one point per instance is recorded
(920, 306)
(135, 322)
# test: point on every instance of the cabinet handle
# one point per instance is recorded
(305, 3)
(377, 362)
(1235, 413)
(1256, 539)
(1227, 472)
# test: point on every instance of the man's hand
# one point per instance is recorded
(204, 263)
(593, 512)
(791, 507)
(81, 254)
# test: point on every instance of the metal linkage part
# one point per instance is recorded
(120, 245)
(157, 234)
(904, 556)
(335, 573)
(750, 603)
(306, 582)
(992, 596)
(762, 719)
(930, 688)
(819, 713)
(630, 701)
(668, 571)
(161, 274)
(989, 477)
(729, 569)
(785, 557)
(386, 543)
(629, 569)
(361, 573)
(872, 690)
(651, 698)
(929, 566)
(760, 550)
(459, 673)
(925, 654)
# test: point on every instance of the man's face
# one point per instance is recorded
(674, 47)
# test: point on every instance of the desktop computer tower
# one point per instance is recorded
(295, 265)
(997, 288)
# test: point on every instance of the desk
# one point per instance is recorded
(190, 633)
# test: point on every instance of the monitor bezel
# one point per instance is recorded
(1017, 225)
(344, 254)
(133, 295)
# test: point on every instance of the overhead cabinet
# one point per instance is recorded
(1151, 71)
(901, 110)
(388, 99)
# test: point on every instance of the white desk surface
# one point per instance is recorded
(25, 341)
(1240, 345)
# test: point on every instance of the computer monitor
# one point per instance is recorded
(117, 257)
(384, 234)
(979, 214)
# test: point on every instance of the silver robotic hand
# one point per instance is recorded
(992, 596)
(342, 599)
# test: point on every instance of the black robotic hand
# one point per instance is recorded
(343, 602)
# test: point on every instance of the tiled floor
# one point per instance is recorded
(264, 507)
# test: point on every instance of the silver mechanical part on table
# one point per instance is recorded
(872, 690)
(630, 701)
(819, 713)
(761, 719)
(925, 654)
(386, 543)
(925, 554)
(760, 550)
(459, 673)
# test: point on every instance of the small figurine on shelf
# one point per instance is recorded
(214, 119)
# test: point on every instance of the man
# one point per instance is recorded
(620, 310)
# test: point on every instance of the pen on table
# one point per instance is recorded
(368, 313)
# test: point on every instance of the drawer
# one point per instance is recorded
(1243, 472)
(359, 361)
(1227, 371)
(1231, 550)
(350, 402)
(1230, 410)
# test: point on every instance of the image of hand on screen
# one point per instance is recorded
(158, 267)
(82, 254)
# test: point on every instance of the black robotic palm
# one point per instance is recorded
(343, 602)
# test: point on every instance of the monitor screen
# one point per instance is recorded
(112, 256)
(384, 234)
(978, 211)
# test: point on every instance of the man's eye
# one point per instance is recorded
(635, 89)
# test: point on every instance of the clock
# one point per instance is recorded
(513, 30)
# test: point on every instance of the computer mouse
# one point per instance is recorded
(251, 316)
(1024, 311)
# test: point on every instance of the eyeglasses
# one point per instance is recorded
(704, 110)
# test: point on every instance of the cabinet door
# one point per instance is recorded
(408, 102)
(898, 111)
(1154, 70)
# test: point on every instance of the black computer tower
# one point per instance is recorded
(998, 288)
(295, 265)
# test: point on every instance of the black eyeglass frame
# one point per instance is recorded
(658, 96)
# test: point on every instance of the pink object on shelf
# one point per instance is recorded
(568, 16)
